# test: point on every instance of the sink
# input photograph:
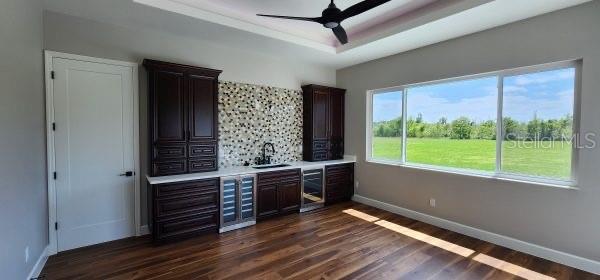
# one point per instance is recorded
(270, 166)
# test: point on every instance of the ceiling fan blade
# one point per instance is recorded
(340, 33)
(314, 19)
(360, 8)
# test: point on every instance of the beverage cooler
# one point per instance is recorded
(238, 202)
(313, 191)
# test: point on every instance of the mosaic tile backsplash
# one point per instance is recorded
(250, 115)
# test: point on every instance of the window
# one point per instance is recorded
(387, 125)
(538, 123)
(453, 124)
(514, 124)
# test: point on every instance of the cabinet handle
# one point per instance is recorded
(127, 174)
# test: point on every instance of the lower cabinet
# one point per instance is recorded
(185, 209)
(339, 181)
(278, 193)
(289, 196)
(267, 202)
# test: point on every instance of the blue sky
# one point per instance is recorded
(548, 94)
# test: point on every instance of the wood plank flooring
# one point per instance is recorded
(330, 243)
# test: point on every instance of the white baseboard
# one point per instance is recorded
(144, 230)
(39, 264)
(505, 241)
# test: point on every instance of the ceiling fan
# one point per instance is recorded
(332, 16)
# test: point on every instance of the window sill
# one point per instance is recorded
(491, 176)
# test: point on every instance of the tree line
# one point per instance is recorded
(466, 128)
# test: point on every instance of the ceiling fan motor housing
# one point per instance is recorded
(330, 16)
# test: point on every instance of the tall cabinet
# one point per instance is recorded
(323, 123)
(182, 118)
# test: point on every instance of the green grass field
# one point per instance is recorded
(551, 160)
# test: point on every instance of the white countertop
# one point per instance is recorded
(241, 170)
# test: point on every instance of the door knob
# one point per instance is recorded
(127, 174)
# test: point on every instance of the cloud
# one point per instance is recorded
(548, 94)
(543, 77)
(482, 108)
(523, 108)
(387, 108)
(514, 89)
(432, 108)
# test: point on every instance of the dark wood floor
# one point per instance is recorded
(332, 243)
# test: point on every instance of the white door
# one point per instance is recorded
(93, 143)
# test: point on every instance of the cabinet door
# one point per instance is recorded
(320, 115)
(339, 180)
(267, 203)
(169, 111)
(289, 196)
(203, 108)
(230, 208)
(336, 124)
(247, 197)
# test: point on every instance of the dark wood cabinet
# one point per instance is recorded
(203, 98)
(182, 118)
(289, 196)
(185, 209)
(278, 193)
(323, 123)
(267, 201)
(339, 181)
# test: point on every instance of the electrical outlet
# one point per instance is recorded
(356, 184)
(27, 254)
(432, 202)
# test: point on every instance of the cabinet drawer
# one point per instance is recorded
(339, 174)
(184, 227)
(320, 145)
(203, 150)
(320, 155)
(184, 206)
(166, 152)
(169, 167)
(336, 149)
(340, 168)
(292, 176)
(186, 188)
(341, 177)
(279, 176)
(202, 164)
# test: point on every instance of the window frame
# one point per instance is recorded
(500, 75)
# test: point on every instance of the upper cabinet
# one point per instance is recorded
(182, 118)
(203, 108)
(323, 123)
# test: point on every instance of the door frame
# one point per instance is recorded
(50, 153)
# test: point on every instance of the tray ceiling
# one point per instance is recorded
(245, 12)
(394, 27)
(242, 15)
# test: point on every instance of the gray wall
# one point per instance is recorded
(75, 35)
(565, 220)
(23, 202)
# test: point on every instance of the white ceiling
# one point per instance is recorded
(394, 27)
(245, 11)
